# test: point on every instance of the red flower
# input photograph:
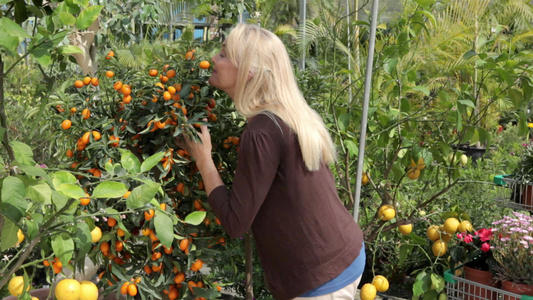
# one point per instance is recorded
(484, 234)
(485, 247)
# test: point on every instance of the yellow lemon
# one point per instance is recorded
(88, 291)
(412, 165)
(365, 180)
(34, 298)
(421, 164)
(433, 233)
(465, 225)
(463, 160)
(443, 296)
(439, 248)
(451, 225)
(67, 289)
(405, 229)
(381, 283)
(96, 234)
(386, 212)
(16, 286)
(368, 292)
(20, 236)
(445, 236)
(413, 174)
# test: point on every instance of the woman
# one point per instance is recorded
(308, 243)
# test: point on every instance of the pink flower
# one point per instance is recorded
(485, 247)
(468, 239)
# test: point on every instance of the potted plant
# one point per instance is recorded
(521, 179)
(512, 248)
(475, 249)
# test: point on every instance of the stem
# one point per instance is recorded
(249, 266)
(3, 117)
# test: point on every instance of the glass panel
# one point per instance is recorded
(199, 33)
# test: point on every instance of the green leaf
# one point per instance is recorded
(420, 88)
(10, 43)
(70, 49)
(39, 192)
(151, 161)
(8, 235)
(21, 13)
(344, 122)
(109, 189)
(437, 282)
(405, 106)
(83, 238)
(63, 247)
(195, 218)
(63, 177)
(422, 283)
(13, 29)
(467, 103)
(33, 224)
(353, 150)
(390, 65)
(505, 76)
(141, 195)
(470, 130)
(430, 295)
(82, 3)
(14, 203)
(67, 18)
(36, 171)
(130, 162)
(70, 190)
(468, 54)
(60, 201)
(164, 228)
(405, 250)
(88, 16)
(23, 153)
(427, 4)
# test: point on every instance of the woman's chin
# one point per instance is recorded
(212, 81)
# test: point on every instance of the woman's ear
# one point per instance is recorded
(250, 75)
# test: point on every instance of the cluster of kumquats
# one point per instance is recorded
(141, 112)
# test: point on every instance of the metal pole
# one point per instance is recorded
(350, 96)
(303, 17)
(364, 115)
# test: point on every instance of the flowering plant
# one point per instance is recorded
(474, 248)
(513, 248)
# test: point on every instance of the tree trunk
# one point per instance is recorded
(85, 41)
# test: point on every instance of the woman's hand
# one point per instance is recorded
(201, 150)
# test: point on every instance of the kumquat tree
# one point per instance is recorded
(98, 201)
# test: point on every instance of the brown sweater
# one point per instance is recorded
(304, 234)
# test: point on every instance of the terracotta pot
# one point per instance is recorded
(474, 292)
(517, 288)
(527, 197)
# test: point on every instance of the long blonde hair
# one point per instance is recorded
(266, 83)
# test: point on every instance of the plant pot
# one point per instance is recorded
(483, 278)
(473, 152)
(517, 288)
(527, 196)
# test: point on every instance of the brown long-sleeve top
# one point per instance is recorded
(304, 234)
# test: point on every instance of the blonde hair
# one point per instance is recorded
(266, 83)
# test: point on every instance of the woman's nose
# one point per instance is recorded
(214, 58)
